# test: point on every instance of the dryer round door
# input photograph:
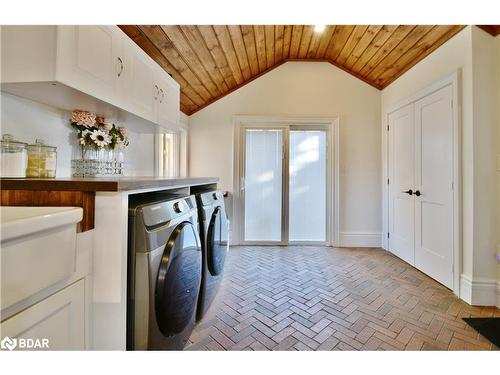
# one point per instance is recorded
(178, 283)
(217, 244)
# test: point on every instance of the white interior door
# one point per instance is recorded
(401, 183)
(434, 185)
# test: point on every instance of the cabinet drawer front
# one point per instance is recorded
(33, 263)
(58, 319)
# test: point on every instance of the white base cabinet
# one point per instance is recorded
(55, 323)
(57, 65)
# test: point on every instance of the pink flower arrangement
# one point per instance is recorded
(94, 132)
(83, 118)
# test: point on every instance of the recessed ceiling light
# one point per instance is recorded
(319, 28)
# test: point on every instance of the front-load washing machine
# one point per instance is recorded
(215, 245)
(164, 273)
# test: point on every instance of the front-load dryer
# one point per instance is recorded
(164, 273)
(215, 245)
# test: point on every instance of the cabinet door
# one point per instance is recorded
(87, 59)
(141, 90)
(58, 318)
(168, 102)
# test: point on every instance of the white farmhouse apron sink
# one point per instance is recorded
(37, 249)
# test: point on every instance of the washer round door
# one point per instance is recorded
(217, 244)
(178, 283)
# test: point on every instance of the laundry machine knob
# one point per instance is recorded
(178, 207)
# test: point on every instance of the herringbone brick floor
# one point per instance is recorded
(321, 298)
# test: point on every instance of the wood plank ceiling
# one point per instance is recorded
(210, 61)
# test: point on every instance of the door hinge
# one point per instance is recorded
(387, 181)
(387, 127)
(388, 235)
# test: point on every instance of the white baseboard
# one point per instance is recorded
(479, 292)
(360, 239)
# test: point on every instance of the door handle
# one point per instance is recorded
(417, 193)
(409, 192)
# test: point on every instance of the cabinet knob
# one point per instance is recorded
(409, 192)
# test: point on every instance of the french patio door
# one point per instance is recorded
(285, 184)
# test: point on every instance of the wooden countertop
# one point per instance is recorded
(110, 184)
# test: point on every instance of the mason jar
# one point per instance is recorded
(13, 157)
(42, 160)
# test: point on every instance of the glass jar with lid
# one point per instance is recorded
(42, 160)
(13, 157)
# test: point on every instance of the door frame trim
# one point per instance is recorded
(333, 210)
(454, 81)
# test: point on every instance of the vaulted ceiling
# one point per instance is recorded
(210, 61)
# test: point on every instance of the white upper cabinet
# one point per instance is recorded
(168, 101)
(88, 59)
(69, 67)
(138, 82)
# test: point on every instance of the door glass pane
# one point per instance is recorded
(307, 210)
(170, 151)
(263, 184)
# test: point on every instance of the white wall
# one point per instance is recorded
(303, 89)
(27, 120)
(474, 53)
(485, 109)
